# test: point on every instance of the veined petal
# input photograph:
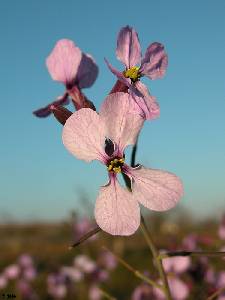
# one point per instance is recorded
(84, 135)
(63, 61)
(155, 189)
(147, 103)
(128, 49)
(122, 123)
(87, 71)
(118, 74)
(116, 210)
(155, 61)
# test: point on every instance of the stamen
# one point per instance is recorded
(115, 165)
(132, 73)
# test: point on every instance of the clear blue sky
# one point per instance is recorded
(39, 178)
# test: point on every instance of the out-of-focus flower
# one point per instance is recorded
(3, 282)
(221, 230)
(190, 242)
(117, 126)
(29, 273)
(176, 264)
(26, 291)
(94, 293)
(107, 260)
(72, 273)
(76, 70)
(25, 261)
(56, 286)
(12, 272)
(84, 263)
(142, 292)
(153, 65)
(179, 290)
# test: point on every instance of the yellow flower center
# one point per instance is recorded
(132, 73)
(115, 165)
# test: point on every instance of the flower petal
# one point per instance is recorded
(118, 74)
(155, 189)
(87, 71)
(148, 106)
(178, 264)
(155, 61)
(122, 123)
(84, 135)
(116, 211)
(128, 49)
(63, 61)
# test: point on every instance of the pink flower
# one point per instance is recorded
(221, 230)
(12, 271)
(176, 264)
(84, 264)
(117, 126)
(153, 65)
(179, 290)
(76, 70)
(142, 292)
(3, 282)
(94, 293)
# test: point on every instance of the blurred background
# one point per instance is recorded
(45, 204)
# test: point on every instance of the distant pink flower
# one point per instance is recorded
(94, 293)
(190, 242)
(84, 264)
(153, 65)
(107, 260)
(221, 230)
(25, 261)
(179, 290)
(117, 126)
(3, 282)
(142, 292)
(72, 273)
(12, 271)
(76, 70)
(176, 264)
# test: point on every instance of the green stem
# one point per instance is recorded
(217, 293)
(106, 294)
(137, 273)
(158, 261)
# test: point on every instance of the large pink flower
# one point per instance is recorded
(104, 137)
(153, 65)
(76, 70)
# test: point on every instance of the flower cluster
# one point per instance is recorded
(104, 135)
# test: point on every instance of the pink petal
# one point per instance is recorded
(84, 135)
(122, 123)
(155, 189)
(179, 290)
(147, 104)
(155, 61)
(128, 49)
(116, 211)
(63, 61)
(118, 74)
(87, 71)
(178, 264)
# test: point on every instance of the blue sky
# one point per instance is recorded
(39, 178)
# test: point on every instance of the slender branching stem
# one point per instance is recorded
(85, 237)
(156, 258)
(137, 273)
(217, 293)
(192, 253)
(106, 294)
